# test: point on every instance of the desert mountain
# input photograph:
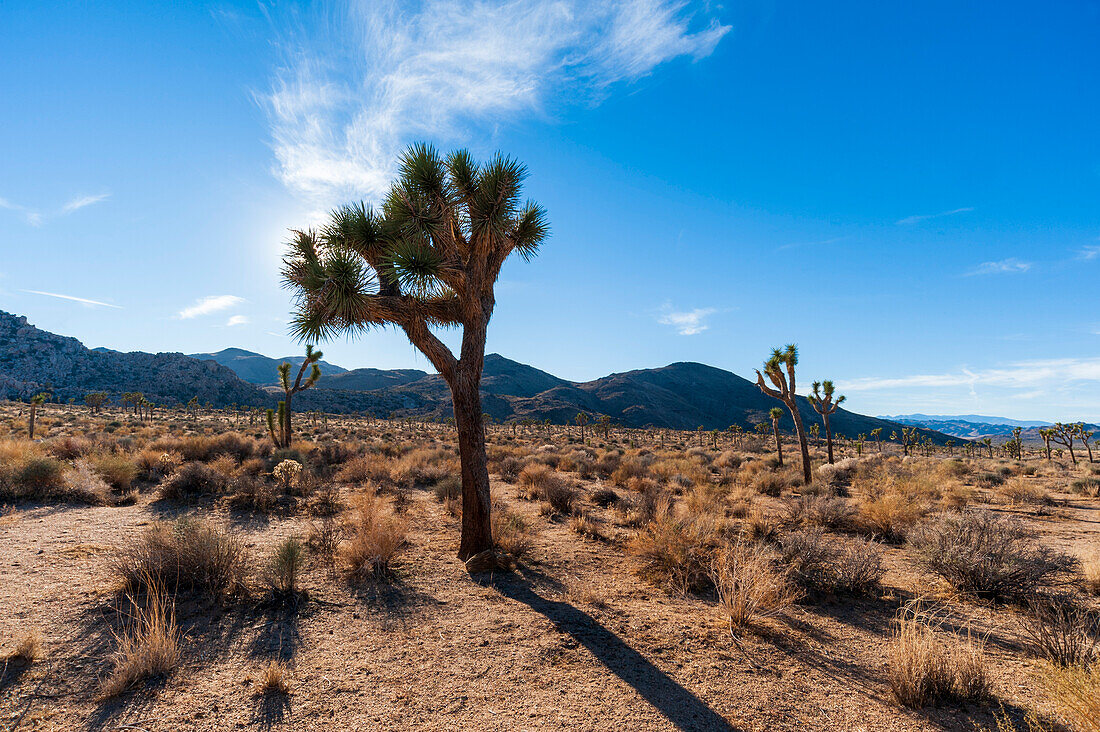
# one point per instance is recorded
(677, 396)
(976, 427)
(256, 368)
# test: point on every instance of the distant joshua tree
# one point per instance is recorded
(776, 414)
(95, 400)
(784, 360)
(824, 404)
(1064, 434)
(581, 419)
(430, 259)
(1046, 434)
(1086, 438)
(282, 437)
(35, 401)
(876, 435)
(910, 437)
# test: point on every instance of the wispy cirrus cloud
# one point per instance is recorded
(82, 201)
(235, 320)
(1089, 252)
(82, 300)
(385, 73)
(918, 218)
(687, 322)
(1017, 375)
(1012, 265)
(209, 304)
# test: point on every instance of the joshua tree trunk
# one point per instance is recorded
(800, 431)
(778, 444)
(828, 438)
(476, 531)
(30, 421)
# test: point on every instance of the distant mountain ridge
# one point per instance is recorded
(682, 395)
(976, 427)
(256, 368)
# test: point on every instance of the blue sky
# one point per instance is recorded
(911, 192)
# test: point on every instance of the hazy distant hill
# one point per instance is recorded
(976, 426)
(256, 368)
(678, 396)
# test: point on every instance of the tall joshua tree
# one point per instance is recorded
(1064, 434)
(429, 258)
(776, 414)
(780, 371)
(35, 401)
(282, 437)
(581, 420)
(824, 404)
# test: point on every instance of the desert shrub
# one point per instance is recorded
(539, 482)
(287, 473)
(511, 533)
(1086, 487)
(374, 469)
(508, 468)
(191, 481)
(675, 553)
(1077, 691)
(377, 536)
(68, 447)
(148, 648)
(728, 460)
(448, 488)
(285, 565)
(989, 556)
(275, 679)
(890, 516)
(249, 493)
(990, 480)
(39, 475)
(1018, 491)
(232, 444)
(607, 464)
(769, 484)
(559, 496)
(423, 467)
(188, 555)
(926, 666)
(584, 524)
(1090, 572)
(28, 650)
(749, 583)
(1055, 628)
(824, 511)
(644, 507)
(119, 471)
(323, 540)
(627, 469)
(759, 525)
(603, 497)
(818, 563)
(83, 483)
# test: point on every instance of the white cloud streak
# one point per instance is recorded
(208, 305)
(1089, 252)
(386, 73)
(81, 201)
(235, 320)
(690, 322)
(1018, 375)
(1003, 266)
(916, 219)
(82, 300)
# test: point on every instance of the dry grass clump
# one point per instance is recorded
(148, 648)
(890, 516)
(1077, 691)
(285, 565)
(1019, 491)
(539, 482)
(1057, 629)
(604, 497)
(1090, 572)
(749, 583)
(251, 493)
(675, 552)
(274, 679)
(191, 481)
(834, 514)
(448, 489)
(823, 564)
(584, 524)
(1086, 487)
(423, 467)
(28, 650)
(373, 469)
(187, 555)
(989, 556)
(377, 536)
(118, 471)
(511, 532)
(926, 666)
(85, 484)
(27, 475)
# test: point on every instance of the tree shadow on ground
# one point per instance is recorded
(272, 709)
(678, 705)
(391, 599)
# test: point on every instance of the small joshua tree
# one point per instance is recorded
(909, 438)
(824, 404)
(876, 435)
(581, 420)
(780, 371)
(776, 414)
(1046, 434)
(282, 437)
(1086, 437)
(35, 401)
(95, 400)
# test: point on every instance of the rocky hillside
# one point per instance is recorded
(678, 396)
(33, 360)
(256, 368)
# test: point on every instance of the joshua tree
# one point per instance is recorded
(1086, 437)
(283, 435)
(35, 401)
(1064, 434)
(824, 404)
(815, 433)
(429, 258)
(1046, 434)
(777, 414)
(786, 358)
(581, 419)
(95, 400)
(876, 434)
(909, 438)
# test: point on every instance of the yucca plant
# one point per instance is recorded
(37, 399)
(776, 414)
(780, 371)
(824, 404)
(429, 258)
